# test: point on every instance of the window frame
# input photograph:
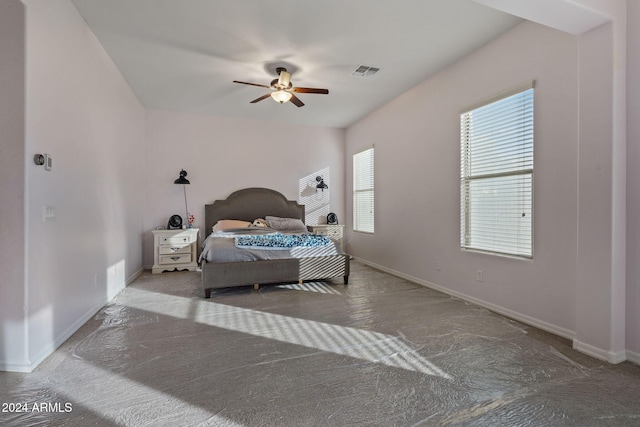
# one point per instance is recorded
(357, 190)
(502, 175)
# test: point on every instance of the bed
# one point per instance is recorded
(256, 203)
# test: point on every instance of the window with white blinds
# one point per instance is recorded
(497, 174)
(363, 191)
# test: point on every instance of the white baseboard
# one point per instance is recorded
(48, 350)
(633, 357)
(14, 367)
(66, 334)
(135, 275)
(556, 330)
(598, 353)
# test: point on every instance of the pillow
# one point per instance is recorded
(288, 225)
(225, 224)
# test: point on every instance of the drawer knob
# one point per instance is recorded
(175, 249)
(175, 258)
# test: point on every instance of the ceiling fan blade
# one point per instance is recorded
(251, 84)
(296, 101)
(260, 99)
(310, 90)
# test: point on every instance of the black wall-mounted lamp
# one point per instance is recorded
(321, 184)
(182, 179)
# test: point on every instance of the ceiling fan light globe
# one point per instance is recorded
(281, 96)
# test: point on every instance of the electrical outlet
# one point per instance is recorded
(438, 266)
(479, 277)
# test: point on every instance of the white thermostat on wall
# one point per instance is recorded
(43, 159)
(48, 161)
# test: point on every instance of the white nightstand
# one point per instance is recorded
(333, 231)
(175, 250)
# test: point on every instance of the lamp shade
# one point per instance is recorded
(284, 79)
(281, 96)
(182, 178)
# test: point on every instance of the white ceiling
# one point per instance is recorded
(184, 55)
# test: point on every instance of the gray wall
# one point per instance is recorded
(12, 176)
(633, 177)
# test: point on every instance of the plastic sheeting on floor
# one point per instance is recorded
(378, 352)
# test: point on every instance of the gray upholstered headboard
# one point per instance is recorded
(249, 204)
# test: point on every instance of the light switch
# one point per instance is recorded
(48, 213)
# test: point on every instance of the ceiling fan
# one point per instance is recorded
(283, 89)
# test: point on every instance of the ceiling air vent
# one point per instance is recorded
(365, 71)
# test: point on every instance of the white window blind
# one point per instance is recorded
(363, 191)
(497, 174)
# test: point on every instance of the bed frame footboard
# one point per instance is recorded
(230, 274)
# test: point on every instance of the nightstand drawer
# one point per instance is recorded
(332, 233)
(180, 239)
(175, 259)
(176, 249)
